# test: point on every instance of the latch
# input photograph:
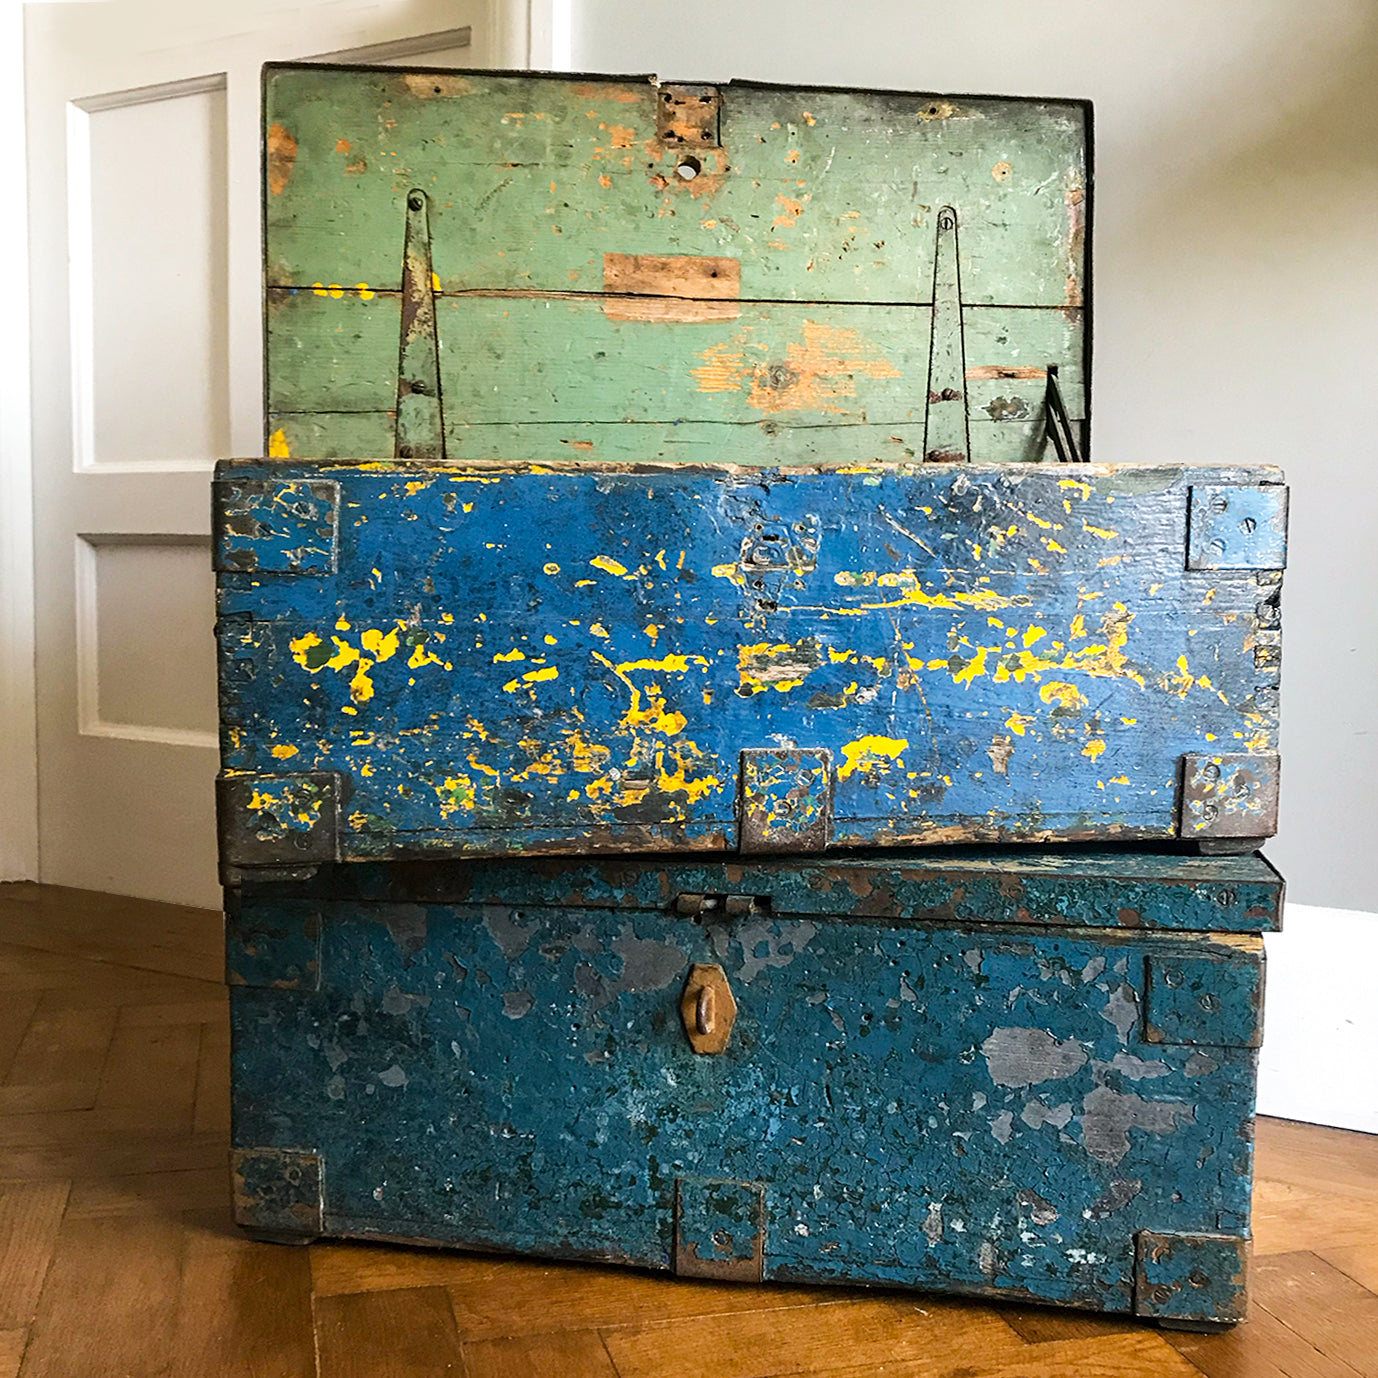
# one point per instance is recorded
(708, 1008)
(733, 906)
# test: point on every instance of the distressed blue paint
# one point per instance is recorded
(957, 885)
(987, 652)
(275, 944)
(966, 1108)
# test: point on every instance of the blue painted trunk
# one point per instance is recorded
(1028, 1080)
(421, 659)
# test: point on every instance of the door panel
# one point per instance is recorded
(144, 224)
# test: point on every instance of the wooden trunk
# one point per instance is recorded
(428, 659)
(1021, 1074)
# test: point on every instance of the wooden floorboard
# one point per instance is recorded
(118, 1256)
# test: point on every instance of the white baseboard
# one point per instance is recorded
(1320, 1047)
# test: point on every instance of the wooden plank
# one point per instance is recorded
(150, 1074)
(30, 1217)
(1318, 1159)
(16, 1011)
(857, 1334)
(212, 1110)
(85, 1149)
(55, 1095)
(515, 1297)
(243, 1309)
(1137, 1354)
(1288, 1217)
(569, 1353)
(567, 361)
(408, 1333)
(1319, 1303)
(152, 1193)
(1359, 1261)
(63, 1045)
(110, 1302)
(1262, 1347)
(1044, 1324)
(818, 194)
(212, 1008)
(12, 1343)
(754, 443)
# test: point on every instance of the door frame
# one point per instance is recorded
(18, 700)
(531, 34)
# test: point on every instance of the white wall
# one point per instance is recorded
(1236, 279)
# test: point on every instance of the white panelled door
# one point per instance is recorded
(143, 119)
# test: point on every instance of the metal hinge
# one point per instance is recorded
(946, 437)
(420, 416)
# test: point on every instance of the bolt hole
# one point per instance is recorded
(689, 168)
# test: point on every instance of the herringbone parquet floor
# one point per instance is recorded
(117, 1256)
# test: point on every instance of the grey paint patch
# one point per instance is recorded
(1002, 1127)
(646, 964)
(407, 924)
(1122, 1009)
(1025, 1057)
(1040, 1210)
(988, 1259)
(763, 946)
(933, 1224)
(1135, 1068)
(1000, 750)
(1200, 1064)
(393, 1076)
(973, 957)
(1035, 1114)
(1092, 969)
(1107, 1117)
(396, 1001)
(512, 936)
(517, 1004)
(1115, 1197)
(335, 1087)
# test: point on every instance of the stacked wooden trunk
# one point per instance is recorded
(663, 472)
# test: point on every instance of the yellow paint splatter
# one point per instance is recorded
(284, 752)
(611, 566)
(866, 752)
(513, 654)
(277, 445)
(1094, 747)
(1067, 696)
